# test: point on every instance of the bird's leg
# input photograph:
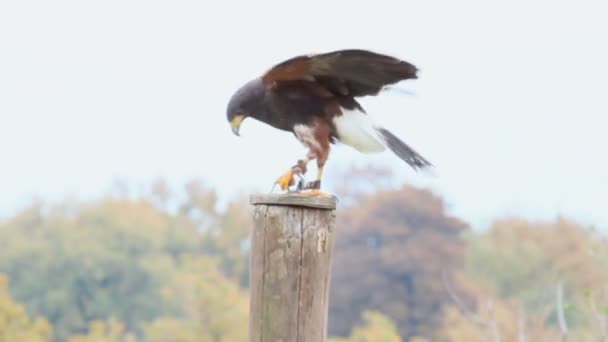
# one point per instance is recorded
(315, 186)
(319, 152)
(302, 167)
(287, 179)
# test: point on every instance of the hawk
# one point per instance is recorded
(315, 98)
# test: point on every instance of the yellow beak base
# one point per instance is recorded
(235, 123)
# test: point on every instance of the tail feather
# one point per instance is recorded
(402, 150)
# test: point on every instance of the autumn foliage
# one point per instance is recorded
(172, 265)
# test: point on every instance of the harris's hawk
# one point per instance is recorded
(314, 97)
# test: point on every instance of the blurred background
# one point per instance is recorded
(124, 211)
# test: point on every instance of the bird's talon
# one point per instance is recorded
(315, 192)
(286, 180)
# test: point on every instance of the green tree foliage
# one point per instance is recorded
(525, 262)
(118, 257)
(215, 308)
(481, 316)
(100, 264)
(15, 323)
(228, 241)
(515, 254)
(100, 331)
(376, 328)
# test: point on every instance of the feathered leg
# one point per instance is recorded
(316, 138)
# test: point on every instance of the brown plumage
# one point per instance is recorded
(314, 96)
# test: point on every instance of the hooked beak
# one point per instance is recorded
(236, 124)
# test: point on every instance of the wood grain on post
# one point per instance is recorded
(291, 249)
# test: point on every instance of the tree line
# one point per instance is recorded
(172, 265)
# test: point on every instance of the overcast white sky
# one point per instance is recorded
(511, 105)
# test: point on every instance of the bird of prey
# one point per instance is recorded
(315, 97)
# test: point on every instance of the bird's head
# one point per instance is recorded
(245, 102)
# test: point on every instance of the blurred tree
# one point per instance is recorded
(377, 328)
(80, 264)
(102, 260)
(354, 183)
(123, 269)
(173, 329)
(215, 308)
(535, 262)
(390, 251)
(161, 193)
(200, 205)
(15, 324)
(100, 331)
(229, 241)
(487, 318)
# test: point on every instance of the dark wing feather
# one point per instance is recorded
(344, 72)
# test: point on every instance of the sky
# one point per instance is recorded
(510, 105)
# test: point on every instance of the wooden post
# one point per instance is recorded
(291, 249)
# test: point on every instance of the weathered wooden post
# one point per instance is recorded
(291, 249)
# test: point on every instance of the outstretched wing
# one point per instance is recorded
(350, 72)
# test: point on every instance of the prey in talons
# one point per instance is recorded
(303, 188)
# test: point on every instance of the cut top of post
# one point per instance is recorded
(295, 200)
